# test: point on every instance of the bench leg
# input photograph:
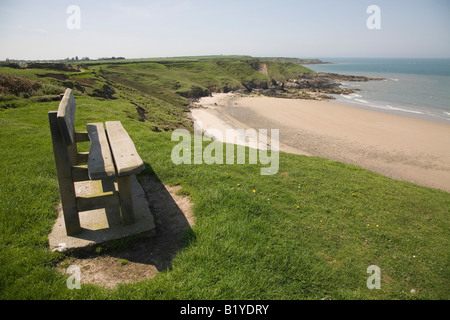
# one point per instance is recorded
(126, 200)
(113, 215)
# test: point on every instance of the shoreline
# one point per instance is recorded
(396, 146)
(392, 110)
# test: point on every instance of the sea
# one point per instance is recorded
(418, 88)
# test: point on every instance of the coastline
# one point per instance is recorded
(399, 147)
(415, 88)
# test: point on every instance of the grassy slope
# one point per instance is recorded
(308, 232)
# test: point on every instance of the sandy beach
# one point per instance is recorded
(399, 147)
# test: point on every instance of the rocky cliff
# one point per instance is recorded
(305, 86)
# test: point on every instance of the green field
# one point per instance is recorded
(308, 232)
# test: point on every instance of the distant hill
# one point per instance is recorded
(121, 60)
(293, 60)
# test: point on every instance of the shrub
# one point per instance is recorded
(16, 85)
(104, 92)
(51, 89)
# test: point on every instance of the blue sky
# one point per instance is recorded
(160, 28)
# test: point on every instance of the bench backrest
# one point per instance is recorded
(66, 117)
(64, 150)
(63, 128)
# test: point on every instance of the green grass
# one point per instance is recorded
(161, 87)
(307, 232)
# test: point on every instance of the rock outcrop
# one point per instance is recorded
(307, 86)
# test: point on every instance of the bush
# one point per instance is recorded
(73, 85)
(51, 89)
(16, 85)
(195, 92)
(104, 92)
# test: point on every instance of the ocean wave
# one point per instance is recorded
(388, 107)
(351, 96)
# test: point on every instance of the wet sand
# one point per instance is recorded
(399, 147)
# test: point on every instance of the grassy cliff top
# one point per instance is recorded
(308, 232)
(161, 87)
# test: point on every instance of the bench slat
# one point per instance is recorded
(81, 136)
(126, 158)
(100, 161)
(66, 117)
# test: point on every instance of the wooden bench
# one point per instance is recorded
(112, 158)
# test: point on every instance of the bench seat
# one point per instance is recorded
(100, 162)
(126, 158)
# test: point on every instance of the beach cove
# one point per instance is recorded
(399, 147)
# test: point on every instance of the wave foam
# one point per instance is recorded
(388, 107)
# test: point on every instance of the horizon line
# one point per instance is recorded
(112, 57)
